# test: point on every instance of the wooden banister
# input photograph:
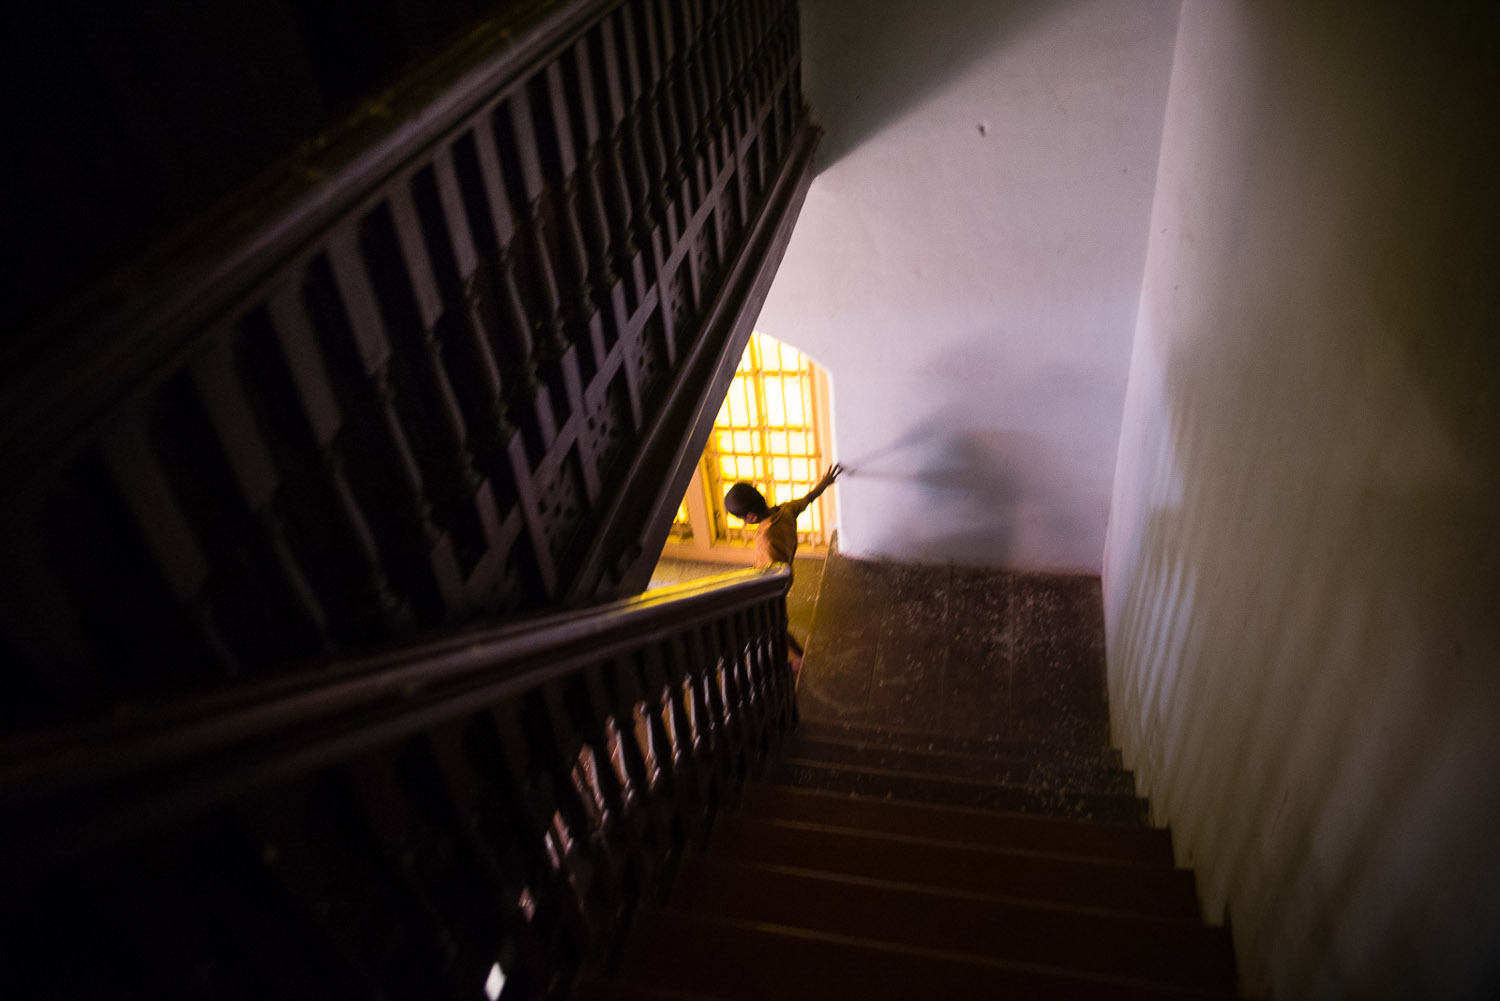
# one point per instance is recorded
(399, 824)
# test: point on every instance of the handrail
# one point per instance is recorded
(565, 760)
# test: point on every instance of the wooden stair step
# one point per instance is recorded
(1091, 754)
(1125, 887)
(748, 961)
(594, 986)
(1029, 773)
(948, 791)
(1177, 952)
(984, 827)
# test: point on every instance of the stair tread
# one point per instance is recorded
(957, 920)
(946, 790)
(1082, 777)
(595, 987)
(983, 826)
(908, 738)
(1108, 884)
(747, 961)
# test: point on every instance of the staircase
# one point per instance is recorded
(881, 860)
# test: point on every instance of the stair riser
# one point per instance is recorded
(999, 830)
(1183, 953)
(1129, 889)
(743, 962)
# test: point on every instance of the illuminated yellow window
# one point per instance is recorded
(772, 431)
(768, 434)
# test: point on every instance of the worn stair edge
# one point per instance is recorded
(1124, 887)
(978, 924)
(1026, 832)
(751, 961)
(902, 738)
(946, 791)
(596, 987)
(1036, 772)
(1046, 732)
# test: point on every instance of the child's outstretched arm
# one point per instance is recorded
(829, 476)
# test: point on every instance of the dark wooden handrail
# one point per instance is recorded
(554, 769)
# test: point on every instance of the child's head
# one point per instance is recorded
(745, 502)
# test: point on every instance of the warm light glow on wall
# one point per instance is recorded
(682, 528)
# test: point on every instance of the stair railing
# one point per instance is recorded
(476, 815)
(458, 374)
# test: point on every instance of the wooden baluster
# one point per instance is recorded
(592, 271)
(738, 46)
(720, 34)
(606, 720)
(674, 750)
(636, 144)
(377, 610)
(556, 741)
(454, 478)
(577, 312)
(254, 471)
(423, 543)
(686, 17)
(755, 90)
(751, 696)
(667, 70)
(608, 215)
(676, 53)
(523, 794)
(738, 711)
(767, 75)
(706, 150)
(496, 226)
(513, 133)
(524, 951)
(165, 530)
(605, 95)
(695, 765)
(661, 124)
(635, 704)
(779, 675)
(719, 74)
(452, 248)
(571, 79)
(717, 715)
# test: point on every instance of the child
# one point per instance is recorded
(776, 529)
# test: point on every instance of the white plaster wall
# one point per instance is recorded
(968, 262)
(1302, 581)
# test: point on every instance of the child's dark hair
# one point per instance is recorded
(742, 499)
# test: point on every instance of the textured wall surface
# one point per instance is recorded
(968, 262)
(1303, 574)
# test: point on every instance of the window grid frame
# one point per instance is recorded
(753, 375)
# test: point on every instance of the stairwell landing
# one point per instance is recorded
(949, 822)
